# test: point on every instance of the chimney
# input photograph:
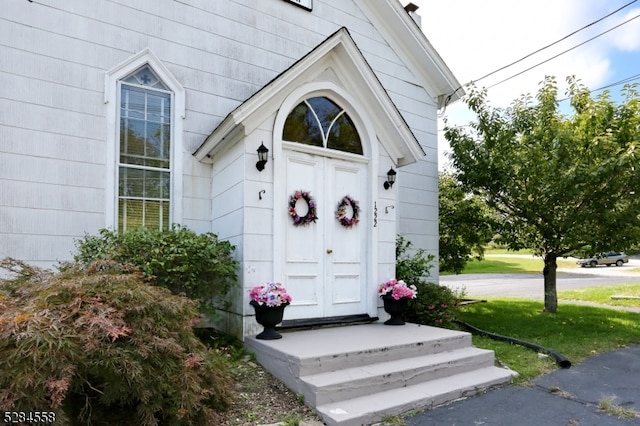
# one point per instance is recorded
(411, 10)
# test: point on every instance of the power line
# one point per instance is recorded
(566, 51)
(555, 42)
(617, 83)
(541, 49)
(607, 86)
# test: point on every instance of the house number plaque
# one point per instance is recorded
(306, 4)
(375, 214)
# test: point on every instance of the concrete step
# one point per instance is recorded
(383, 349)
(310, 352)
(349, 383)
(369, 409)
(355, 375)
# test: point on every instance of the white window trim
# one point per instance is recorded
(112, 100)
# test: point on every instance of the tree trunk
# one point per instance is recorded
(550, 291)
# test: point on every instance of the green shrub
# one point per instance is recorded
(434, 305)
(414, 268)
(104, 347)
(197, 265)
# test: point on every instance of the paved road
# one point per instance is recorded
(531, 286)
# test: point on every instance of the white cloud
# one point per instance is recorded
(627, 37)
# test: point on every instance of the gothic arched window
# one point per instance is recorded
(145, 145)
(321, 122)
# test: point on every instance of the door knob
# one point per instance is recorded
(329, 251)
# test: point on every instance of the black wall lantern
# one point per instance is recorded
(263, 153)
(391, 178)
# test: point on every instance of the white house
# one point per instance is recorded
(118, 113)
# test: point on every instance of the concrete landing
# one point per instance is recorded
(356, 375)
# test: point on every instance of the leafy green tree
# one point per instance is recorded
(465, 224)
(558, 183)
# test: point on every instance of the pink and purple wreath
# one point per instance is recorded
(311, 215)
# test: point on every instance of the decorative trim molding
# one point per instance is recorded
(112, 101)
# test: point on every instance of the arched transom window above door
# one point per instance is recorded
(320, 122)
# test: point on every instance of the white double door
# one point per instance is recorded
(325, 263)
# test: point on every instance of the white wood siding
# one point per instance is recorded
(52, 115)
(386, 210)
(227, 213)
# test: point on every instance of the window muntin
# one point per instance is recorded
(301, 126)
(145, 152)
(319, 121)
(343, 136)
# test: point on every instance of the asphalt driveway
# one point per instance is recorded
(563, 397)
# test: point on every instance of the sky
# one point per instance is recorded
(475, 38)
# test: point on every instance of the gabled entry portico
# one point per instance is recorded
(332, 131)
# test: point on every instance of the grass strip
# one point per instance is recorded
(498, 264)
(604, 295)
(575, 331)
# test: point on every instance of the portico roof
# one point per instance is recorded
(348, 68)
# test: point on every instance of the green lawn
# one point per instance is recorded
(496, 264)
(506, 251)
(575, 331)
(603, 295)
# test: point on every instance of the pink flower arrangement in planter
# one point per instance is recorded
(270, 294)
(397, 290)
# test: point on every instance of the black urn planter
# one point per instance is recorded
(268, 317)
(395, 309)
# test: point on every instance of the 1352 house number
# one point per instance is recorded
(307, 4)
(9, 417)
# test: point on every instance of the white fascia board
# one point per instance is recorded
(417, 52)
(383, 107)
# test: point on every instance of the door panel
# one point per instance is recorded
(346, 270)
(304, 262)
